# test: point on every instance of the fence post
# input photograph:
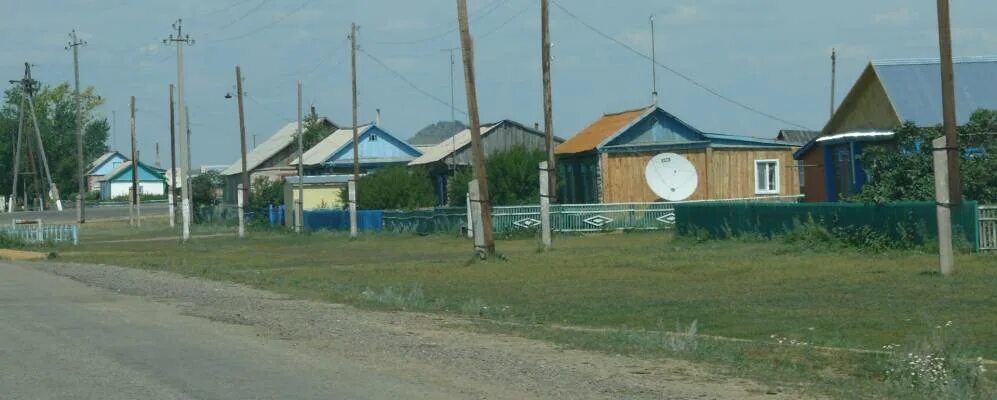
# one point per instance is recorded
(544, 205)
(131, 206)
(242, 215)
(474, 197)
(944, 210)
(76, 235)
(470, 219)
(41, 234)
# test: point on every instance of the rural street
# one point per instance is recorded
(101, 332)
(68, 215)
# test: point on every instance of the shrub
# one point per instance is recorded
(264, 192)
(513, 178)
(394, 188)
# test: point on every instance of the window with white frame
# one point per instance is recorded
(766, 176)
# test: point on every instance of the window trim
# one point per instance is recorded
(778, 177)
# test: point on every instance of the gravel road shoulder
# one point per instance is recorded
(422, 347)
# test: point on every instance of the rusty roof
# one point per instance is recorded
(589, 138)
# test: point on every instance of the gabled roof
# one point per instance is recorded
(341, 139)
(449, 146)
(100, 161)
(127, 166)
(797, 137)
(264, 151)
(914, 87)
(592, 136)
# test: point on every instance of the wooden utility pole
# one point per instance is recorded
(135, 192)
(834, 77)
(477, 150)
(180, 40)
(952, 182)
(173, 162)
(654, 66)
(948, 102)
(356, 148)
(75, 43)
(31, 84)
(548, 97)
(17, 157)
(244, 188)
(299, 214)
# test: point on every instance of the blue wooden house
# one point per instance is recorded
(887, 94)
(101, 166)
(377, 148)
(118, 181)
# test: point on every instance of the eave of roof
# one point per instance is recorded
(596, 133)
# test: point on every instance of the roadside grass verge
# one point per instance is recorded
(625, 290)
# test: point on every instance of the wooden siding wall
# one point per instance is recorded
(730, 173)
(815, 188)
(867, 107)
(502, 138)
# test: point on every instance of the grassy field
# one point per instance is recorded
(616, 292)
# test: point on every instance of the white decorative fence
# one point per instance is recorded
(35, 232)
(988, 228)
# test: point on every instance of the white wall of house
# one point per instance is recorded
(118, 189)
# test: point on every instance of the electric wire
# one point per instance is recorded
(410, 83)
(246, 14)
(273, 23)
(674, 71)
(495, 5)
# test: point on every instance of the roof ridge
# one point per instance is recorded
(933, 60)
(645, 108)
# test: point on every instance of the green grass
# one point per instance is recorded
(627, 286)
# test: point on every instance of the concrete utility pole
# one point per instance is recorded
(834, 77)
(545, 57)
(180, 40)
(30, 84)
(173, 163)
(244, 189)
(356, 148)
(477, 149)
(545, 227)
(952, 179)
(654, 67)
(299, 220)
(74, 44)
(135, 192)
(946, 257)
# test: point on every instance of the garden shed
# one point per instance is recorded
(608, 161)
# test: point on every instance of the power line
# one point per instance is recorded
(248, 13)
(506, 22)
(495, 5)
(409, 82)
(267, 26)
(268, 109)
(674, 71)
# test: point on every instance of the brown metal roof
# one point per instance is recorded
(590, 137)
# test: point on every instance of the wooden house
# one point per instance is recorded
(887, 94)
(269, 159)
(455, 152)
(606, 161)
(117, 182)
(376, 148)
(101, 166)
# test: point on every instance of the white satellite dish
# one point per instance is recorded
(671, 177)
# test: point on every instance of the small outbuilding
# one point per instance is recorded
(887, 94)
(118, 182)
(455, 152)
(622, 158)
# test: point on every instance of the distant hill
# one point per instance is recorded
(436, 133)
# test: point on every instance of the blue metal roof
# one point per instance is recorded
(914, 87)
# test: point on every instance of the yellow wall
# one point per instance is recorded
(730, 174)
(867, 107)
(315, 196)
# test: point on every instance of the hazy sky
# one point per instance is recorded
(772, 55)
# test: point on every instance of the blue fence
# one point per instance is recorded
(336, 220)
(275, 214)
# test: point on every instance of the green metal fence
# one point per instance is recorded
(564, 217)
(915, 221)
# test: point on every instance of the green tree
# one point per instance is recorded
(55, 108)
(513, 178)
(205, 189)
(265, 191)
(394, 188)
(902, 169)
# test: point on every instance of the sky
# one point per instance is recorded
(771, 55)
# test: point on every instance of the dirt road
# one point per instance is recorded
(115, 333)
